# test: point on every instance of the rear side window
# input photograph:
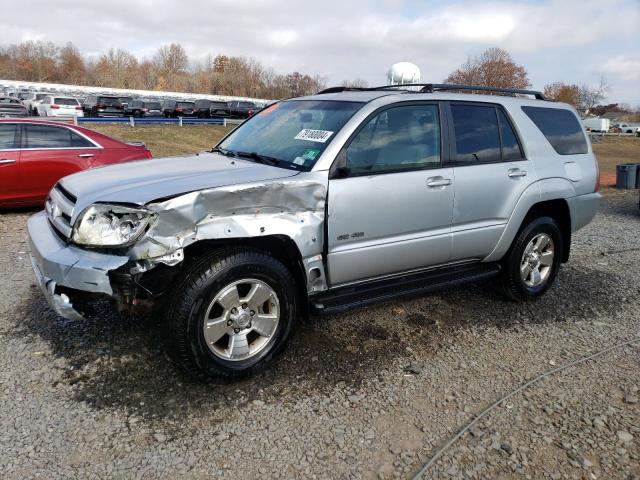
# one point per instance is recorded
(8, 136)
(560, 127)
(44, 136)
(477, 137)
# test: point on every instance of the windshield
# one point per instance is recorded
(294, 132)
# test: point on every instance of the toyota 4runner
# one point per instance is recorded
(322, 203)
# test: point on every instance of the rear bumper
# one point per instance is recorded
(582, 209)
(58, 264)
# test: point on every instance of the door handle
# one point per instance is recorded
(85, 155)
(516, 172)
(434, 182)
(6, 161)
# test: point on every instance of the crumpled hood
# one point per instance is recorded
(141, 182)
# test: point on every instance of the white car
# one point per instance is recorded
(60, 107)
(33, 102)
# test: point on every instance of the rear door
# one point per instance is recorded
(390, 211)
(9, 163)
(49, 153)
(491, 173)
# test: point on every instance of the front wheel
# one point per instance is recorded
(532, 263)
(231, 313)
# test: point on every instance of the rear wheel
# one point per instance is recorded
(533, 261)
(231, 313)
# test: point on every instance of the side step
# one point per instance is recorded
(345, 298)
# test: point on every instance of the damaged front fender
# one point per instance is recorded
(293, 207)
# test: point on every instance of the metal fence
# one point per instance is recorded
(133, 121)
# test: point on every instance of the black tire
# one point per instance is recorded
(513, 285)
(195, 290)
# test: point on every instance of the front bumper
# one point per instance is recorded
(56, 263)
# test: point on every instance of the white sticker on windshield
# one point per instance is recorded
(320, 136)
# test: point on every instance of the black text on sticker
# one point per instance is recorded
(320, 136)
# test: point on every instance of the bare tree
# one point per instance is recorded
(493, 68)
(591, 96)
(116, 68)
(355, 83)
(71, 67)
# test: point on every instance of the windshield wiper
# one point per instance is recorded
(265, 159)
(227, 153)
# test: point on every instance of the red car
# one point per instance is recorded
(34, 155)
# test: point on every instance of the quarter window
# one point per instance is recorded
(477, 138)
(510, 147)
(400, 138)
(560, 127)
(8, 136)
(42, 136)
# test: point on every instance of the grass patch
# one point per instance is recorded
(614, 151)
(167, 140)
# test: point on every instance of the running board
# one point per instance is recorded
(345, 298)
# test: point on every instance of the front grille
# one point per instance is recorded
(59, 207)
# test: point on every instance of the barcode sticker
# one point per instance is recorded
(319, 136)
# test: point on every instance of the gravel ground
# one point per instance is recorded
(367, 394)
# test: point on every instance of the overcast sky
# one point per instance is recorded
(556, 40)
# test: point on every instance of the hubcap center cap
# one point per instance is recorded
(242, 319)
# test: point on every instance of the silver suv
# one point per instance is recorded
(322, 203)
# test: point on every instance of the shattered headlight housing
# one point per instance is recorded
(103, 225)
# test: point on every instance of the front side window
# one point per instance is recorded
(292, 134)
(560, 127)
(400, 138)
(477, 138)
(44, 136)
(8, 136)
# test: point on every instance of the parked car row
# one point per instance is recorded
(52, 104)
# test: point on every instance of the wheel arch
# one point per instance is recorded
(547, 197)
(280, 247)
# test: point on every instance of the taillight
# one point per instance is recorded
(55, 107)
(250, 112)
(78, 107)
(100, 105)
(148, 154)
(178, 109)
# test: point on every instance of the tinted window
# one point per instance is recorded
(219, 105)
(476, 133)
(560, 127)
(109, 101)
(153, 105)
(43, 136)
(65, 101)
(510, 148)
(247, 104)
(8, 135)
(401, 138)
(185, 105)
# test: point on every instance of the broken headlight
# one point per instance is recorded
(110, 225)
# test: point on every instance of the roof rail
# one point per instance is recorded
(344, 89)
(433, 87)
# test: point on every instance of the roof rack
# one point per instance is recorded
(433, 87)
